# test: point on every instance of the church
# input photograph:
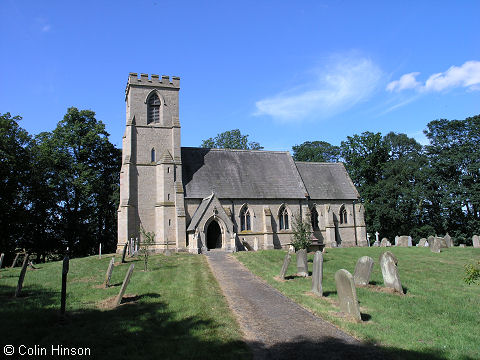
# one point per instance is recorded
(197, 199)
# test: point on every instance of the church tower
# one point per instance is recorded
(151, 189)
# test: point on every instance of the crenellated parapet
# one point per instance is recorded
(153, 80)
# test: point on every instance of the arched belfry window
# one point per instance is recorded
(343, 215)
(245, 223)
(152, 155)
(283, 218)
(314, 217)
(153, 109)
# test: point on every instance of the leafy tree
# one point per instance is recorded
(302, 232)
(317, 151)
(232, 139)
(472, 273)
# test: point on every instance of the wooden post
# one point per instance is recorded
(22, 276)
(108, 275)
(66, 262)
(118, 300)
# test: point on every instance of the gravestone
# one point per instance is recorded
(461, 245)
(441, 240)
(118, 300)
(100, 251)
(437, 244)
(17, 255)
(422, 242)
(363, 270)
(22, 276)
(302, 264)
(63, 299)
(317, 275)
(385, 243)
(347, 294)
(108, 275)
(286, 262)
(376, 243)
(403, 241)
(255, 244)
(476, 241)
(1, 259)
(391, 278)
(430, 240)
(124, 253)
(448, 240)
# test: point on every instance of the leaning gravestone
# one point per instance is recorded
(286, 262)
(108, 275)
(22, 276)
(118, 300)
(448, 240)
(476, 241)
(388, 264)
(363, 270)
(317, 275)
(63, 294)
(17, 255)
(385, 243)
(347, 294)
(302, 264)
(403, 241)
(437, 245)
(422, 242)
(124, 252)
(1, 259)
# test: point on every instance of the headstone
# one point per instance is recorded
(391, 278)
(17, 255)
(108, 275)
(430, 240)
(317, 275)
(410, 241)
(1, 259)
(255, 244)
(302, 264)
(437, 244)
(31, 265)
(376, 243)
(441, 240)
(118, 300)
(100, 251)
(291, 249)
(461, 245)
(376, 236)
(476, 241)
(66, 265)
(286, 262)
(347, 294)
(22, 276)
(422, 242)
(385, 243)
(363, 270)
(448, 240)
(403, 241)
(124, 252)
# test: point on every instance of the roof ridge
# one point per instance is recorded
(319, 162)
(239, 150)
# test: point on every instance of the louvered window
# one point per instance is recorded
(153, 111)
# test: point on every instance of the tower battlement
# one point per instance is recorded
(153, 80)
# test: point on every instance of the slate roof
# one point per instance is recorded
(327, 181)
(258, 174)
(240, 174)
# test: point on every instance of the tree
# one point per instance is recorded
(232, 139)
(317, 151)
(302, 232)
(148, 239)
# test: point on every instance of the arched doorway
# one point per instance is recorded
(214, 235)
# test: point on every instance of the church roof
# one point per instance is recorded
(240, 174)
(327, 181)
(258, 174)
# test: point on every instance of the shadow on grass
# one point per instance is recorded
(328, 293)
(148, 329)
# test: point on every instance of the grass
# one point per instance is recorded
(437, 318)
(174, 311)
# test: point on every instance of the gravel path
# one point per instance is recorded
(276, 327)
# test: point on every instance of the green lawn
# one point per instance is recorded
(174, 311)
(438, 318)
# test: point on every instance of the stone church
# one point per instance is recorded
(197, 199)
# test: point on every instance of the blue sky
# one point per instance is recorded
(283, 72)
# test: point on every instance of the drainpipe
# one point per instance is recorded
(355, 223)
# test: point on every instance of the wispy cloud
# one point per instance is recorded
(337, 86)
(466, 76)
(46, 28)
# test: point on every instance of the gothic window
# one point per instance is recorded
(152, 155)
(283, 218)
(153, 109)
(314, 216)
(343, 215)
(245, 219)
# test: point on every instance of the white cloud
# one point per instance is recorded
(466, 76)
(407, 81)
(343, 84)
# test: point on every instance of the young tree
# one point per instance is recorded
(232, 139)
(302, 232)
(148, 239)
